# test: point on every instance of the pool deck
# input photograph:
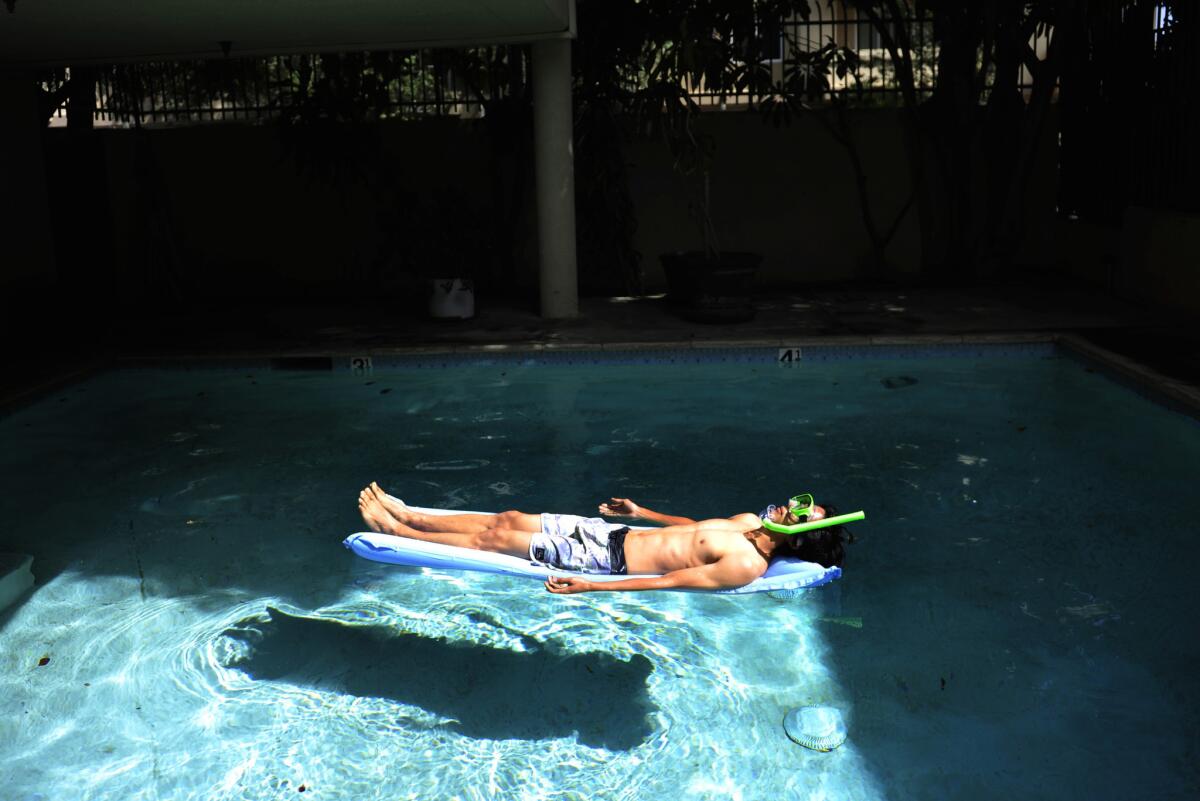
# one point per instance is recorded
(1151, 347)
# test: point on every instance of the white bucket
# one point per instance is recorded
(451, 298)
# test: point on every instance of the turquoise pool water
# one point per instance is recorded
(1016, 621)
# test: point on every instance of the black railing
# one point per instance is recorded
(872, 78)
(1168, 167)
(394, 84)
(1128, 122)
(427, 83)
(787, 45)
(415, 84)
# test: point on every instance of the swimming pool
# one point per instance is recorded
(1015, 621)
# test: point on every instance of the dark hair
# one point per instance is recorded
(825, 546)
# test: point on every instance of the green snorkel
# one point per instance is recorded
(802, 505)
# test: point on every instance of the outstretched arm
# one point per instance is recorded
(623, 507)
(725, 573)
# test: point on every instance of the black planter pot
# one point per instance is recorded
(711, 290)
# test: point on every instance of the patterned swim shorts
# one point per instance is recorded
(582, 544)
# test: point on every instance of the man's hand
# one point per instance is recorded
(568, 585)
(620, 507)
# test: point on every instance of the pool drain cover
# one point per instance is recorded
(820, 728)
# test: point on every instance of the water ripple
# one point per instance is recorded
(470, 687)
(454, 464)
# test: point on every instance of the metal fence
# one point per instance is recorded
(1128, 124)
(785, 45)
(429, 83)
(414, 84)
(1166, 171)
(394, 84)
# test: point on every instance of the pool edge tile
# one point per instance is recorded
(1147, 382)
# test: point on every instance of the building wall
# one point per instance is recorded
(1160, 257)
(787, 193)
(1154, 256)
(245, 222)
(26, 243)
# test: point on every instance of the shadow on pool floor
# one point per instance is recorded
(491, 693)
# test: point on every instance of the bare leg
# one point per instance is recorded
(466, 523)
(499, 540)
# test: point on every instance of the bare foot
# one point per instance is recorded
(373, 513)
(394, 506)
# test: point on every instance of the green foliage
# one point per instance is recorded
(640, 65)
(329, 114)
(807, 81)
(973, 141)
(645, 62)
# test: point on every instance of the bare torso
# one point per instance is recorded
(661, 550)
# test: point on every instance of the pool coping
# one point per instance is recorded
(1176, 395)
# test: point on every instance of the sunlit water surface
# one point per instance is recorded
(1015, 621)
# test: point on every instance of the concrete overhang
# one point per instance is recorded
(63, 32)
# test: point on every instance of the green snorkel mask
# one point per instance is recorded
(802, 506)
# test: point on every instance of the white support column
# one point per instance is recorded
(554, 163)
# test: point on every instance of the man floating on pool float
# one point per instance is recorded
(714, 554)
